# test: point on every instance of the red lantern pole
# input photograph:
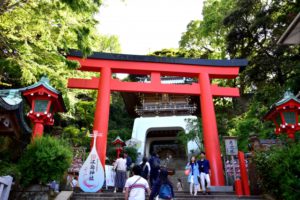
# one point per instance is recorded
(38, 130)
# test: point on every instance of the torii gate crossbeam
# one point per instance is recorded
(203, 70)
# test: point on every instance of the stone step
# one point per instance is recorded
(178, 196)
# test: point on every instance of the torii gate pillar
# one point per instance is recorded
(210, 131)
(102, 112)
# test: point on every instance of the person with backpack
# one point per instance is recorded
(193, 168)
(145, 166)
(162, 187)
(155, 167)
(136, 186)
(204, 171)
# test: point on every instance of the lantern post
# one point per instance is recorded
(45, 101)
(285, 115)
(119, 144)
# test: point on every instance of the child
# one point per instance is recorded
(179, 185)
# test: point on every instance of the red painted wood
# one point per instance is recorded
(244, 175)
(238, 187)
(210, 131)
(38, 130)
(102, 113)
(166, 69)
(117, 85)
(204, 88)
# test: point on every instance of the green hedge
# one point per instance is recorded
(279, 171)
(45, 159)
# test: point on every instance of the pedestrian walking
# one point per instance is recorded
(193, 168)
(120, 168)
(128, 163)
(74, 183)
(162, 187)
(136, 186)
(155, 167)
(179, 185)
(146, 169)
(204, 169)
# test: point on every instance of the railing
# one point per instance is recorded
(5, 186)
(165, 108)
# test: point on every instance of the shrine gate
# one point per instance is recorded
(155, 67)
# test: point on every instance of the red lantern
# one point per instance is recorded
(285, 115)
(45, 101)
(119, 144)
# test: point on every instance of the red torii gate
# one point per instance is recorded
(204, 70)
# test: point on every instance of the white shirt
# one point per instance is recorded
(74, 183)
(120, 164)
(137, 191)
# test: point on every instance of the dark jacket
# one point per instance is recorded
(156, 188)
(203, 166)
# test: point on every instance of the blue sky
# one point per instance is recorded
(144, 26)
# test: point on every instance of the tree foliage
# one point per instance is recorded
(248, 29)
(208, 35)
(35, 37)
(45, 159)
(278, 171)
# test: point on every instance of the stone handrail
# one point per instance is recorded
(5, 186)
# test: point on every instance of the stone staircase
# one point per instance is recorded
(109, 195)
(179, 165)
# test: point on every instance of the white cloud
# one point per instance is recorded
(147, 25)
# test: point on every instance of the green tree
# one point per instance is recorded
(255, 27)
(35, 37)
(194, 133)
(278, 170)
(208, 35)
(44, 159)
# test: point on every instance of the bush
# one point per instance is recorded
(279, 171)
(45, 159)
(10, 169)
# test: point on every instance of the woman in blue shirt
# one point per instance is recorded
(193, 168)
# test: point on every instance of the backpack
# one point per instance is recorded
(165, 191)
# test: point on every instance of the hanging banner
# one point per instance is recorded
(110, 175)
(91, 174)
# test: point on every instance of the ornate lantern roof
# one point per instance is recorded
(43, 88)
(285, 114)
(118, 140)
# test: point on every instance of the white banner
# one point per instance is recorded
(110, 175)
(91, 174)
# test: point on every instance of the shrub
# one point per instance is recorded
(45, 159)
(10, 169)
(279, 171)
